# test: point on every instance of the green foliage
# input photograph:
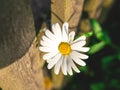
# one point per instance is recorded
(98, 86)
(88, 34)
(96, 29)
(99, 32)
(97, 47)
(102, 36)
(84, 69)
(107, 60)
(114, 83)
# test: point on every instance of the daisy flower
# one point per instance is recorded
(62, 51)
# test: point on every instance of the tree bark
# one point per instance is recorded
(20, 62)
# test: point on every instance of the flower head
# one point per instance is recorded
(62, 51)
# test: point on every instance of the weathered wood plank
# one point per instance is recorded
(16, 30)
(93, 7)
(24, 74)
(20, 62)
(68, 11)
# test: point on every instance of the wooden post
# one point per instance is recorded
(20, 62)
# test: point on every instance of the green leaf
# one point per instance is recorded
(97, 86)
(96, 28)
(106, 38)
(118, 56)
(96, 47)
(115, 84)
(88, 34)
(107, 60)
(84, 69)
(99, 32)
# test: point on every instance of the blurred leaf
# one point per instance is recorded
(97, 86)
(96, 28)
(114, 83)
(98, 31)
(118, 56)
(84, 69)
(88, 34)
(108, 59)
(96, 47)
(106, 38)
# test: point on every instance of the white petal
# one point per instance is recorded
(82, 38)
(65, 32)
(49, 60)
(46, 38)
(51, 45)
(71, 36)
(65, 27)
(49, 35)
(75, 58)
(57, 66)
(54, 60)
(49, 41)
(77, 45)
(69, 69)
(49, 55)
(73, 65)
(48, 49)
(81, 56)
(45, 44)
(82, 49)
(57, 30)
(45, 49)
(64, 65)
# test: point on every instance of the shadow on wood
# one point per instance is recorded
(16, 30)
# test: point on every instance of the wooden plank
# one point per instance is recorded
(20, 62)
(24, 74)
(93, 7)
(16, 30)
(68, 11)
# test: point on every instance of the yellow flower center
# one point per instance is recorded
(64, 48)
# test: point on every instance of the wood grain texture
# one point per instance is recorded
(68, 11)
(16, 30)
(20, 62)
(24, 74)
(93, 7)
